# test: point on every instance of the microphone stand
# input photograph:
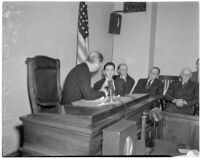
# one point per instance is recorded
(111, 91)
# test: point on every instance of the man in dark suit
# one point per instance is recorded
(151, 85)
(77, 83)
(181, 95)
(108, 72)
(123, 81)
(195, 74)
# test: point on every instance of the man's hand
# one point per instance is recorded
(174, 101)
(104, 90)
(179, 102)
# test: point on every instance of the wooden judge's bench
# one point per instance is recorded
(79, 131)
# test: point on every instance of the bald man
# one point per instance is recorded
(181, 95)
(77, 83)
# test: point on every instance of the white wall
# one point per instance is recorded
(100, 39)
(176, 44)
(48, 28)
(166, 35)
(132, 45)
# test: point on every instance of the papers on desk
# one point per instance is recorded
(93, 103)
(101, 102)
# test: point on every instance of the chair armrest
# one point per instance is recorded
(162, 103)
(196, 110)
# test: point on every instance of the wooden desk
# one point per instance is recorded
(79, 131)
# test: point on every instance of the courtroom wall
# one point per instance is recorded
(41, 28)
(99, 38)
(132, 45)
(177, 32)
(166, 35)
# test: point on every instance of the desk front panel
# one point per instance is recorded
(79, 131)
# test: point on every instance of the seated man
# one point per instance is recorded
(195, 74)
(151, 85)
(181, 95)
(77, 83)
(124, 82)
(108, 72)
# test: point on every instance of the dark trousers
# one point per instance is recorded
(172, 108)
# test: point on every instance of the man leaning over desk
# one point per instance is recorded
(77, 83)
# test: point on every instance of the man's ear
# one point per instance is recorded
(118, 71)
(104, 72)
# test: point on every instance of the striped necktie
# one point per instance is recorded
(148, 84)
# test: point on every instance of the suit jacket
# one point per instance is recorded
(195, 76)
(124, 87)
(189, 93)
(77, 85)
(155, 90)
(98, 85)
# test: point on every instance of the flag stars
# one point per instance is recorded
(83, 20)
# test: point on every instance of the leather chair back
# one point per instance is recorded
(44, 83)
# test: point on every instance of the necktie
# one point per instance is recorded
(148, 84)
(124, 78)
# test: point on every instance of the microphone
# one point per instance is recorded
(110, 85)
(111, 90)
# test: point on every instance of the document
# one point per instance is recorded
(94, 103)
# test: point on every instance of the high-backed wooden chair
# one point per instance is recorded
(44, 84)
(167, 80)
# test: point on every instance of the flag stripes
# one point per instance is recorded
(83, 33)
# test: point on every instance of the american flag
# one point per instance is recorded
(83, 33)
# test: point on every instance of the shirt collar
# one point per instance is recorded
(125, 77)
(149, 80)
(107, 79)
